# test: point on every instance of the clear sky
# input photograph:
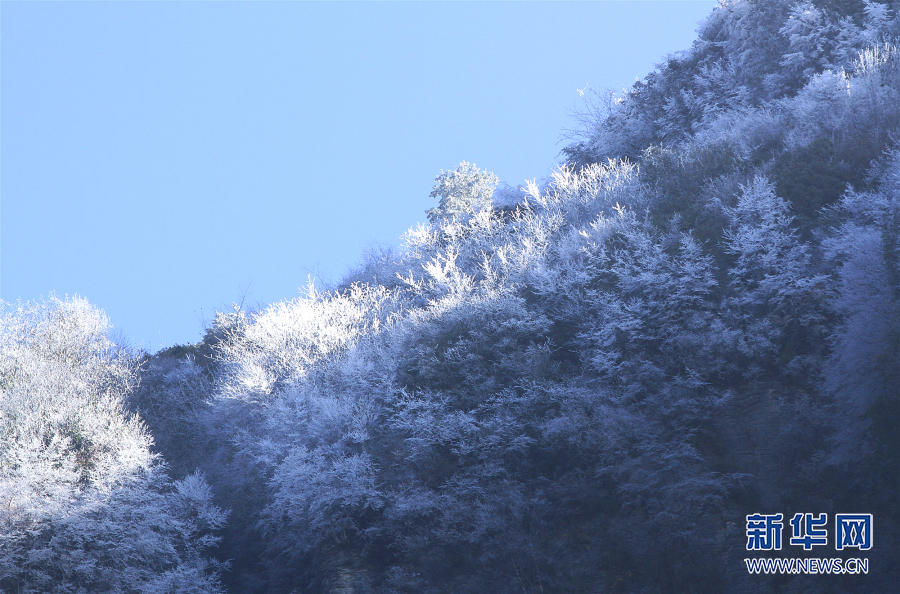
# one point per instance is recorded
(164, 159)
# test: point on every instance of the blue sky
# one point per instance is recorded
(166, 159)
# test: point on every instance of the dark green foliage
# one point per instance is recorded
(485, 350)
(854, 9)
(812, 178)
(678, 180)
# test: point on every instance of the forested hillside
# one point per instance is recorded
(585, 385)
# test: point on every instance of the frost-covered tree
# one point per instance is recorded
(466, 189)
(749, 54)
(86, 506)
(781, 303)
(864, 366)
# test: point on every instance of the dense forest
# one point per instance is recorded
(582, 385)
